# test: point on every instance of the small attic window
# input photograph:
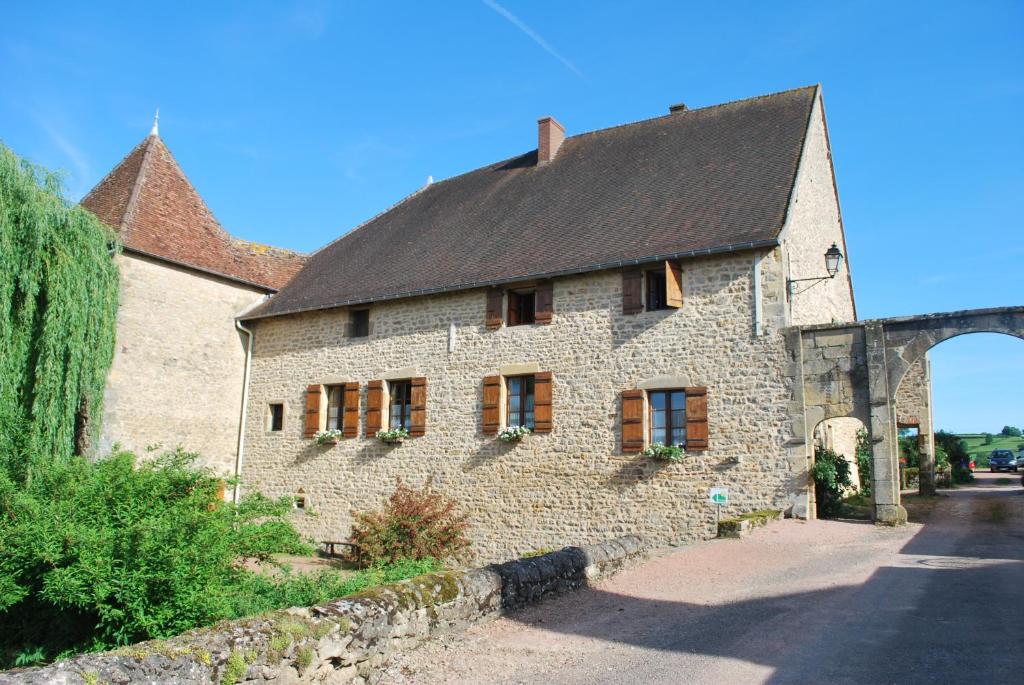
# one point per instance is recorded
(360, 323)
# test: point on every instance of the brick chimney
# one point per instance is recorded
(677, 108)
(550, 135)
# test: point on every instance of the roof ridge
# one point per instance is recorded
(379, 214)
(629, 123)
(184, 177)
(133, 198)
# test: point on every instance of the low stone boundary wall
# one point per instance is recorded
(346, 640)
(742, 526)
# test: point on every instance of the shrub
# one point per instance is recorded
(106, 553)
(414, 524)
(831, 474)
(864, 462)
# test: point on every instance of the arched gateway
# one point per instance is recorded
(854, 369)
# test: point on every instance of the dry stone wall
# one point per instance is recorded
(574, 482)
(346, 640)
(176, 377)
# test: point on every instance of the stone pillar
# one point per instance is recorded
(926, 435)
(885, 478)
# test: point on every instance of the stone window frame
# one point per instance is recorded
(269, 416)
(506, 372)
(659, 384)
(649, 414)
(325, 413)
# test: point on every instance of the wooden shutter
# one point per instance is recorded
(632, 291)
(545, 302)
(673, 285)
(350, 422)
(492, 404)
(312, 424)
(494, 298)
(632, 420)
(696, 419)
(542, 384)
(513, 309)
(374, 406)
(418, 407)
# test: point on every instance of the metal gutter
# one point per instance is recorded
(702, 252)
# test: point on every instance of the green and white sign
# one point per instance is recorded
(720, 496)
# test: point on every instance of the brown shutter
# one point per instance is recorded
(374, 406)
(696, 419)
(350, 422)
(418, 409)
(494, 296)
(632, 420)
(545, 302)
(513, 309)
(542, 385)
(492, 404)
(673, 285)
(632, 291)
(312, 424)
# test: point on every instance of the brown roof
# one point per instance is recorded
(150, 203)
(696, 182)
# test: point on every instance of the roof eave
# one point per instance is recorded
(702, 252)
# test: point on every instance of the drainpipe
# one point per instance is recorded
(756, 276)
(245, 408)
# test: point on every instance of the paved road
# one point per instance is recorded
(820, 602)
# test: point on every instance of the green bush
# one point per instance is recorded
(831, 474)
(109, 553)
(864, 462)
(414, 524)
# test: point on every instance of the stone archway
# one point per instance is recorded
(855, 369)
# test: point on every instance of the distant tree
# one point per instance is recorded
(953, 446)
(988, 438)
(1010, 431)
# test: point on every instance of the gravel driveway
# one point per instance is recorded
(798, 602)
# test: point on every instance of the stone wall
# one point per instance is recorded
(813, 223)
(176, 377)
(346, 640)
(912, 397)
(574, 483)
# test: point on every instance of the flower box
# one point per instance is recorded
(661, 452)
(395, 436)
(328, 437)
(514, 433)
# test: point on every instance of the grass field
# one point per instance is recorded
(980, 451)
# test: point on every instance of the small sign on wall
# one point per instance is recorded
(720, 496)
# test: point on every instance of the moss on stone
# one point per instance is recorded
(91, 678)
(204, 657)
(234, 669)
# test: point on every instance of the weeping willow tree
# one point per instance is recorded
(58, 304)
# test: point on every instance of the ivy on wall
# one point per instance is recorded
(58, 308)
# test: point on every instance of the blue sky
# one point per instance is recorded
(298, 120)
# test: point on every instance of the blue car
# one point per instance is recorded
(1002, 460)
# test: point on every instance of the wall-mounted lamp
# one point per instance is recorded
(833, 260)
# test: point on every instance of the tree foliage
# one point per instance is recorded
(1010, 432)
(58, 305)
(831, 474)
(864, 458)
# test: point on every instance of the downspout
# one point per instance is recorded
(245, 409)
(756, 275)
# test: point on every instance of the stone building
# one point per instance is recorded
(609, 290)
(178, 369)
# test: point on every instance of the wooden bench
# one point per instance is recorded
(330, 549)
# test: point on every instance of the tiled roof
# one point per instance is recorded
(150, 203)
(693, 182)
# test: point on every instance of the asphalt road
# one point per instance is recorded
(820, 602)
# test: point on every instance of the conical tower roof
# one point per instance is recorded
(155, 210)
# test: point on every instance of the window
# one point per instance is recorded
(335, 407)
(360, 323)
(520, 401)
(668, 417)
(276, 416)
(401, 404)
(522, 307)
(656, 291)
